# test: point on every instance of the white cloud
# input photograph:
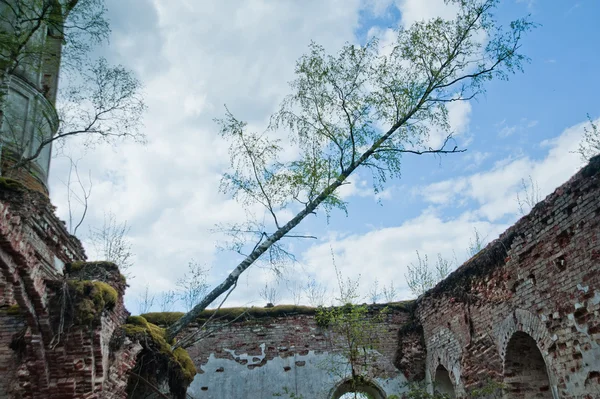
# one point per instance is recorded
(419, 10)
(495, 191)
(383, 254)
(193, 58)
(520, 127)
(196, 56)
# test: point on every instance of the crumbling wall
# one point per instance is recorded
(538, 283)
(283, 351)
(50, 346)
(523, 312)
(12, 327)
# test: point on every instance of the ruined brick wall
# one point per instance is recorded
(11, 327)
(40, 356)
(290, 353)
(523, 314)
(525, 310)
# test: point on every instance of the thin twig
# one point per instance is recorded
(191, 336)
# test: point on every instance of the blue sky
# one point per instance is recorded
(195, 57)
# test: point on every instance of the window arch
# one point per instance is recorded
(525, 372)
(442, 382)
(362, 389)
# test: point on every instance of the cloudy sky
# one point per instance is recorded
(195, 56)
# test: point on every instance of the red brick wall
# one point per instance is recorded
(284, 336)
(22, 175)
(540, 278)
(10, 327)
(74, 363)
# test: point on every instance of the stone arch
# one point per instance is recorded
(524, 329)
(525, 371)
(442, 382)
(368, 388)
(444, 349)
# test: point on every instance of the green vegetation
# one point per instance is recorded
(82, 265)
(181, 369)
(13, 310)
(162, 318)
(186, 363)
(360, 110)
(94, 270)
(356, 331)
(168, 318)
(10, 184)
(91, 298)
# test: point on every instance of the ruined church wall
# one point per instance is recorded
(38, 359)
(541, 278)
(289, 354)
(10, 326)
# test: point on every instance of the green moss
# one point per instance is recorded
(152, 337)
(82, 265)
(75, 266)
(256, 312)
(13, 310)
(103, 295)
(10, 184)
(168, 318)
(91, 299)
(98, 270)
(133, 331)
(138, 321)
(187, 365)
(408, 306)
(163, 318)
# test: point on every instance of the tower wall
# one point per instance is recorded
(29, 67)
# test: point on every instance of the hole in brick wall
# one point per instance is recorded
(513, 288)
(525, 374)
(442, 383)
(592, 383)
(563, 239)
(560, 263)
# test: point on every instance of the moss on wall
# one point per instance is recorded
(13, 310)
(98, 270)
(10, 184)
(244, 313)
(158, 361)
(90, 299)
(162, 318)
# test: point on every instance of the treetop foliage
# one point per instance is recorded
(362, 108)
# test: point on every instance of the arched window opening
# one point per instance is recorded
(525, 373)
(355, 395)
(442, 383)
(358, 390)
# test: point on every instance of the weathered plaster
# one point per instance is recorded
(308, 375)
